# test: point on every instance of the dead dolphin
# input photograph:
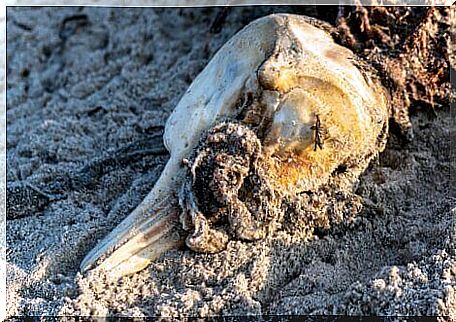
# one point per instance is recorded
(281, 95)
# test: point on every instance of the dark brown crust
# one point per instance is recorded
(409, 47)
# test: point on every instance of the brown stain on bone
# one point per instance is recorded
(299, 165)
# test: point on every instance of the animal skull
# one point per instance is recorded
(281, 76)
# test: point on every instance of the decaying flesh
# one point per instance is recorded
(227, 187)
(280, 111)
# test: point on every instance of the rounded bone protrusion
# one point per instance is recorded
(292, 126)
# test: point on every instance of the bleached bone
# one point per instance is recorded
(297, 76)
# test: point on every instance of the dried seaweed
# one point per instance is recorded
(410, 47)
(26, 199)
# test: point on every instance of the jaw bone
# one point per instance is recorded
(279, 76)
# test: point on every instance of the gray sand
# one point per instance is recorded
(80, 88)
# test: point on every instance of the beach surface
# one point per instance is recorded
(84, 83)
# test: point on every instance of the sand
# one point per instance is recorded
(83, 83)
